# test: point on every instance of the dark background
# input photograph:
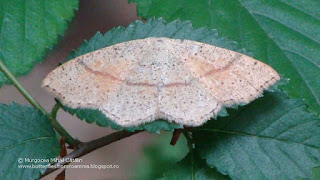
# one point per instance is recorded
(92, 16)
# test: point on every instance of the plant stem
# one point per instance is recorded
(85, 148)
(55, 124)
(16, 83)
(54, 110)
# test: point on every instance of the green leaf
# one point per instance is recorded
(24, 133)
(272, 138)
(138, 30)
(159, 156)
(28, 28)
(282, 33)
(193, 167)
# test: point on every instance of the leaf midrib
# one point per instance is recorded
(256, 136)
(26, 141)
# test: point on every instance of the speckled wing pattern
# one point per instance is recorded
(139, 81)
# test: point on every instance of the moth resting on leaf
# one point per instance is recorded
(143, 80)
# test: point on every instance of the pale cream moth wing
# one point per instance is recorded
(89, 80)
(231, 77)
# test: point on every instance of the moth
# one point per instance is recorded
(140, 81)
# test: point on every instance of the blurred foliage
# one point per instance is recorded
(193, 167)
(159, 156)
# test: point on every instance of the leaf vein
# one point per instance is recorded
(285, 25)
(300, 10)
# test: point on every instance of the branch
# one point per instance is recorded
(85, 148)
(54, 123)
